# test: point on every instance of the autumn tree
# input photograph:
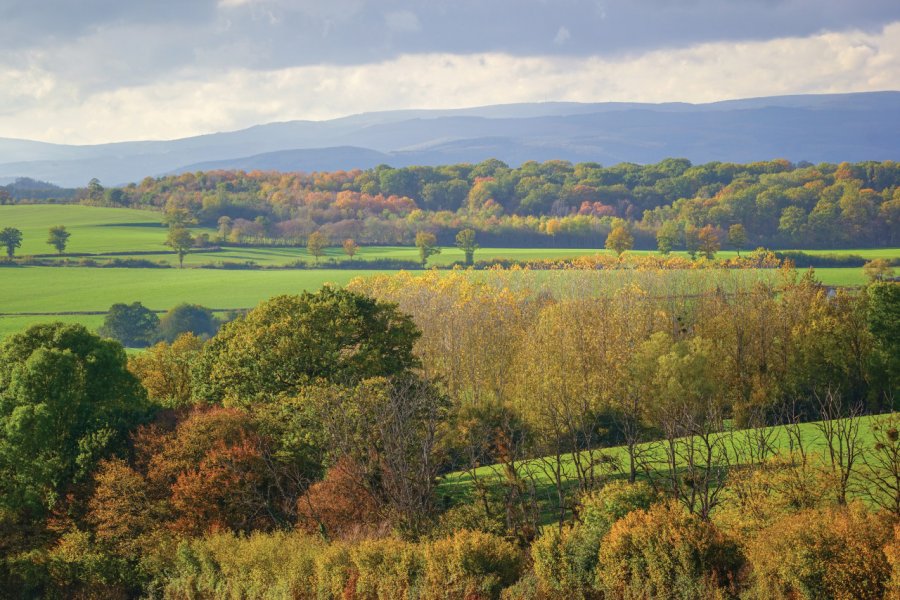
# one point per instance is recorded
(58, 238)
(691, 240)
(350, 248)
(291, 341)
(181, 241)
(708, 241)
(165, 369)
(316, 244)
(12, 239)
(387, 432)
(619, 239)
(426, 242)
(465, 241)
(878, 269)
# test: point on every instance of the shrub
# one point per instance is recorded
(665, 552)
(823, 553)
(335, 573)
(892, 552)
(224, 565)
(602, 508)
(565, 561)
(472, 565)
(387, 569)
(474, 516)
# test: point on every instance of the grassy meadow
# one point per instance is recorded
(459, 486)
(140, 234)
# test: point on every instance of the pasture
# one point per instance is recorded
(140, 234)
(538, 472)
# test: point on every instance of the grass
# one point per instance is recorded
(93, 229)
(459, 485)
(49, 289)
(103, 230)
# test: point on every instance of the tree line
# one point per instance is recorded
(310, 447)
(777, 203)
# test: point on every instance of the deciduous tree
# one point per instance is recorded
(12, 239)
(134, 325)
(291, 341)
(350, 248)
(316, 244)
(181, 241)
(58, 238)
(465, 241)
(426, 242)
(619, 239)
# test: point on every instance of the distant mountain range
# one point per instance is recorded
(814, 128)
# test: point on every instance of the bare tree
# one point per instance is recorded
(839, 429)
(882, 464)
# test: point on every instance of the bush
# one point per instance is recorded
(474, 516)
(665, 552)
(335, 573)
(824, 553)
(470, 565)
(565, 561)
(276, 565)
(387, 569)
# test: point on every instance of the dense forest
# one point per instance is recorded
(779, 204)
(572, 434)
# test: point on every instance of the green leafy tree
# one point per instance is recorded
(134, 325)
(58, 238)
(12, 239)
(667, 237)
(187, 318)
(737, 237)
(619, 239)
(316, 244)
(181, 241)
(465, 241)
(67, 400)
(290, 341)
(426, 242)
(883, 321)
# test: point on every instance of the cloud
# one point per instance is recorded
(39, 104)
(562, 36)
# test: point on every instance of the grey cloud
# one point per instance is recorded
(68, 50)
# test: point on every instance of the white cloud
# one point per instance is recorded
(38, 105)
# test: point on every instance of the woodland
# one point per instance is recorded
(716, 433)
(778, 204)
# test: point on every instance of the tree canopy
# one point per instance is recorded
(66, 401)
(289, 341)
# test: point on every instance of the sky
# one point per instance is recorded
(93, 71)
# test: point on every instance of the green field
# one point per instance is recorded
(25, 289)
(459, 485)
(93, 229)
